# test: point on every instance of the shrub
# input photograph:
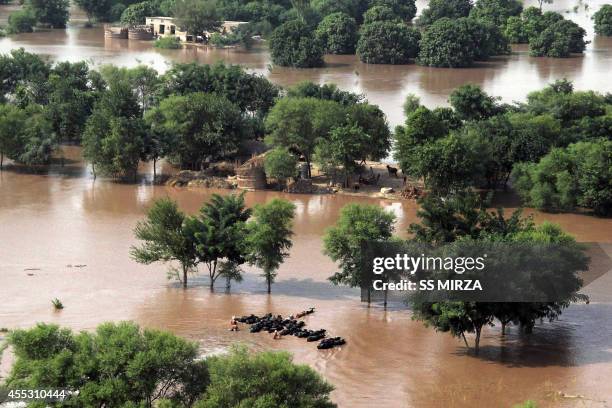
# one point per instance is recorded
(603, 20)
(404, 9)
(280, 163)
(496, 11)
(338, 34)
(387, 42)
(21, 21)
(169, 43)
(294, 44)
(448, 43)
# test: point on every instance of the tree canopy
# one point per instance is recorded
(295, 44)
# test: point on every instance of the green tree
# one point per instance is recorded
(267, 379)
(168, 236)
(330, 92)
(578, 175)
(135, 14)
(21, 21)
(447, 43)
(496, 11)
(357, 225)
(603, 20)
(71, 99)
(52, 12)
(379, 13)
(344, 145)
(221, 231)
(403, 9)
(373, 123)
(22, 72)
(12, 123)
(113, 137)
(295, 44)
(117, 365)
(38, 141)
(387, 42)
(472, 103)
(200, 127)
(281, 164)
(338, 34)
(438, 9)
(197, 16)
(269, 237)
(559, 40)
(299, 123)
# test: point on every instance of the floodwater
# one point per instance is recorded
(65, 235)
(510, 77)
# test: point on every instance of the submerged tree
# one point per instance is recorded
(357, 225)
(269, 237)
(220, 233)
(168, 235)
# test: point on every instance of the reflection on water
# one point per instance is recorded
(510, 77)
(50, 223)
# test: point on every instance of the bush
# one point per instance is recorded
(169, 43)
(294, 44)
(559, 40)
(603, 20)
(386, 42)
(136, 14)
(267, 379)
(21, 21)
(338, 34)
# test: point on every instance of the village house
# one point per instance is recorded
(167, 27)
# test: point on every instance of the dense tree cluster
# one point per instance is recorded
(603, 20)
(460, 42)
(480, 142)
(338, 33)
(295, 44)
(221, 237)
(191, 114)
(548, 34)
(457, 221)
(437, 9)
(387, 42)
(332, 133)
(120, 364)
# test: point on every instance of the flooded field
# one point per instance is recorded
(65, 235)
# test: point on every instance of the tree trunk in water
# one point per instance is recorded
(503, 328)
(385, 303)
(184, 277)
(269, 285)
(154, 169)
(93, 170)
(212, 273)
(477, 341)
(465, 341)
(369, 297)
(1, 160)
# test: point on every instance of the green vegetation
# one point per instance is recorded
(295, 44)
(438, 9)
(496, 11)
(197, 16)
(343, 242)
(480, 142)
(53, 13)
(460, 42)
(120, 364)
(21, 21)
(561, 39)
(579, 175)
(57, 304)
(338, 33)
(603, 20)
(218, 237)
(268, 239)
(168, 236)
(280, 164)
(168, 43)
(387, 42)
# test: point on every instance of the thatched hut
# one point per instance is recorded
(251, 175)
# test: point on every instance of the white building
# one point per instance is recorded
(167, 27)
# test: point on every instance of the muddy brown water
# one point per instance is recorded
(510, 77)
(65, 235)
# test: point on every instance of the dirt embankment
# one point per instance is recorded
(376, 180)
